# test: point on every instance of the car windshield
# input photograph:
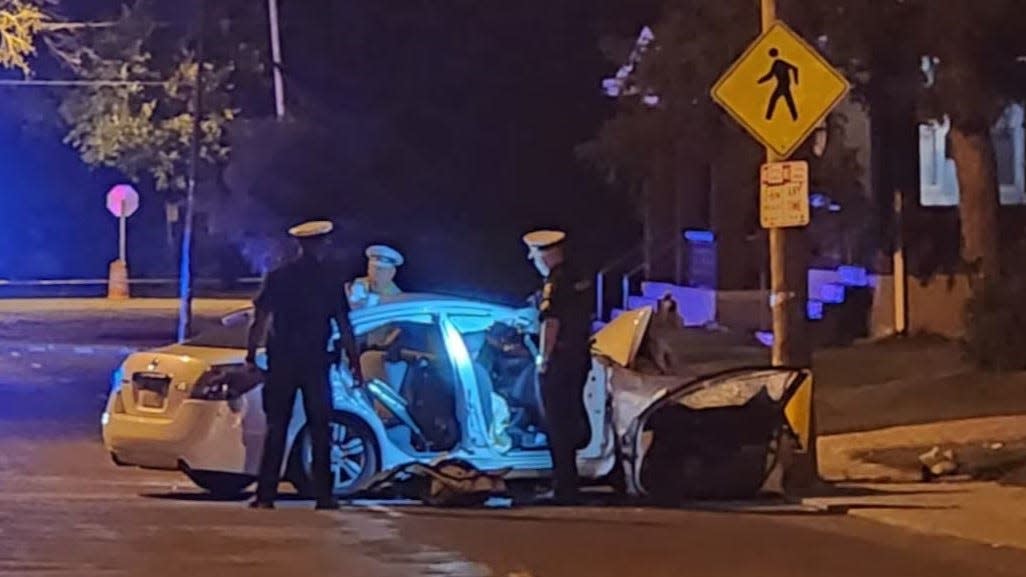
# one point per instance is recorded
(231, 337)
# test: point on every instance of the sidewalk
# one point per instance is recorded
(982, 512)
(842, 458)
(880, 479)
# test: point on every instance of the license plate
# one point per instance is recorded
(152, 390)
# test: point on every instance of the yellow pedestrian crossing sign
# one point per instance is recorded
(780, 89)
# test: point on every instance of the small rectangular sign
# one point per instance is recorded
(784, 194)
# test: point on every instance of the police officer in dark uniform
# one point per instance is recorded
(297, 305)
(564, 356)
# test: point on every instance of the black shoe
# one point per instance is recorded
(258, 504)
(328, 505)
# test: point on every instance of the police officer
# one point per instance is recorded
(564, 356)
(382, 264)
(297, 305)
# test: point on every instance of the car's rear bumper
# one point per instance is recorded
(205, 435)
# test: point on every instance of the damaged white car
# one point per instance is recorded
(455, 378)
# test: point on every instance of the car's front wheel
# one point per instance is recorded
(354, 457)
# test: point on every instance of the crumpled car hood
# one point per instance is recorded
(701, 419)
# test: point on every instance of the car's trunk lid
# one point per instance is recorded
(156, 383)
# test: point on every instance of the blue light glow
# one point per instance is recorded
(116, 378)
(700, 236)
(814, 310)
(818, 200)
(832, 293)
(854, 275)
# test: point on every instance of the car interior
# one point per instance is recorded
(505, 366)
(413, 385)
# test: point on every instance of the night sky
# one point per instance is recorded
(503, 94)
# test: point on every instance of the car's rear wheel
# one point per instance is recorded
(224, 485)
(354, 457)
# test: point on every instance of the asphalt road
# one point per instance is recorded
(65, 509)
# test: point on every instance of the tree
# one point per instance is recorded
(960, 60)
(20, 23)
(143, 126)
(667, 132)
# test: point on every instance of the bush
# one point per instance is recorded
(996, 324)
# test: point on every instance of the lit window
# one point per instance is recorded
(938, 174)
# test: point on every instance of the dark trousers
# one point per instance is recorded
(279, 397)
(566, 421)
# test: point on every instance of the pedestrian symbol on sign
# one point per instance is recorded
(781, 71)
(761, 90)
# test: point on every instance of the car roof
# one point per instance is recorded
(412, 302)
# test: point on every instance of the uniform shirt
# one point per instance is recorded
(303, 297)
(568, 298)
(363, 293)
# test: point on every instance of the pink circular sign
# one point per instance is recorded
(123, 197)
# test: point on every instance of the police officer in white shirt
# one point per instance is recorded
(382, 264)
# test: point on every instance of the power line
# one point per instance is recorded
(79, 83)
(57, 26)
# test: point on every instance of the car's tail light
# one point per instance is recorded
(212, 386)
(116, 379)
(223, 383)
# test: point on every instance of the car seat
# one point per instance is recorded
(376, 367)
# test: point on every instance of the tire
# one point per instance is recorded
(223, 485)
(355, 459)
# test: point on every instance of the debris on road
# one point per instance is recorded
(444, 483)
(937, 463)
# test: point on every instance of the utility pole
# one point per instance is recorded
(788, 295)
(787, 282)
(779, 295)
(279, 82)
(185, 280)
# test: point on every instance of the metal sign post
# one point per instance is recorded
(122, 202)
(122, 234)
(781, 90)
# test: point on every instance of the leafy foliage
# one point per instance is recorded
(959, 59)
(847, 234)
(20, 23)
(694, 43)
(665, 118)
(142, 125)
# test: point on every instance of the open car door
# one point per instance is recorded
(714, 437)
